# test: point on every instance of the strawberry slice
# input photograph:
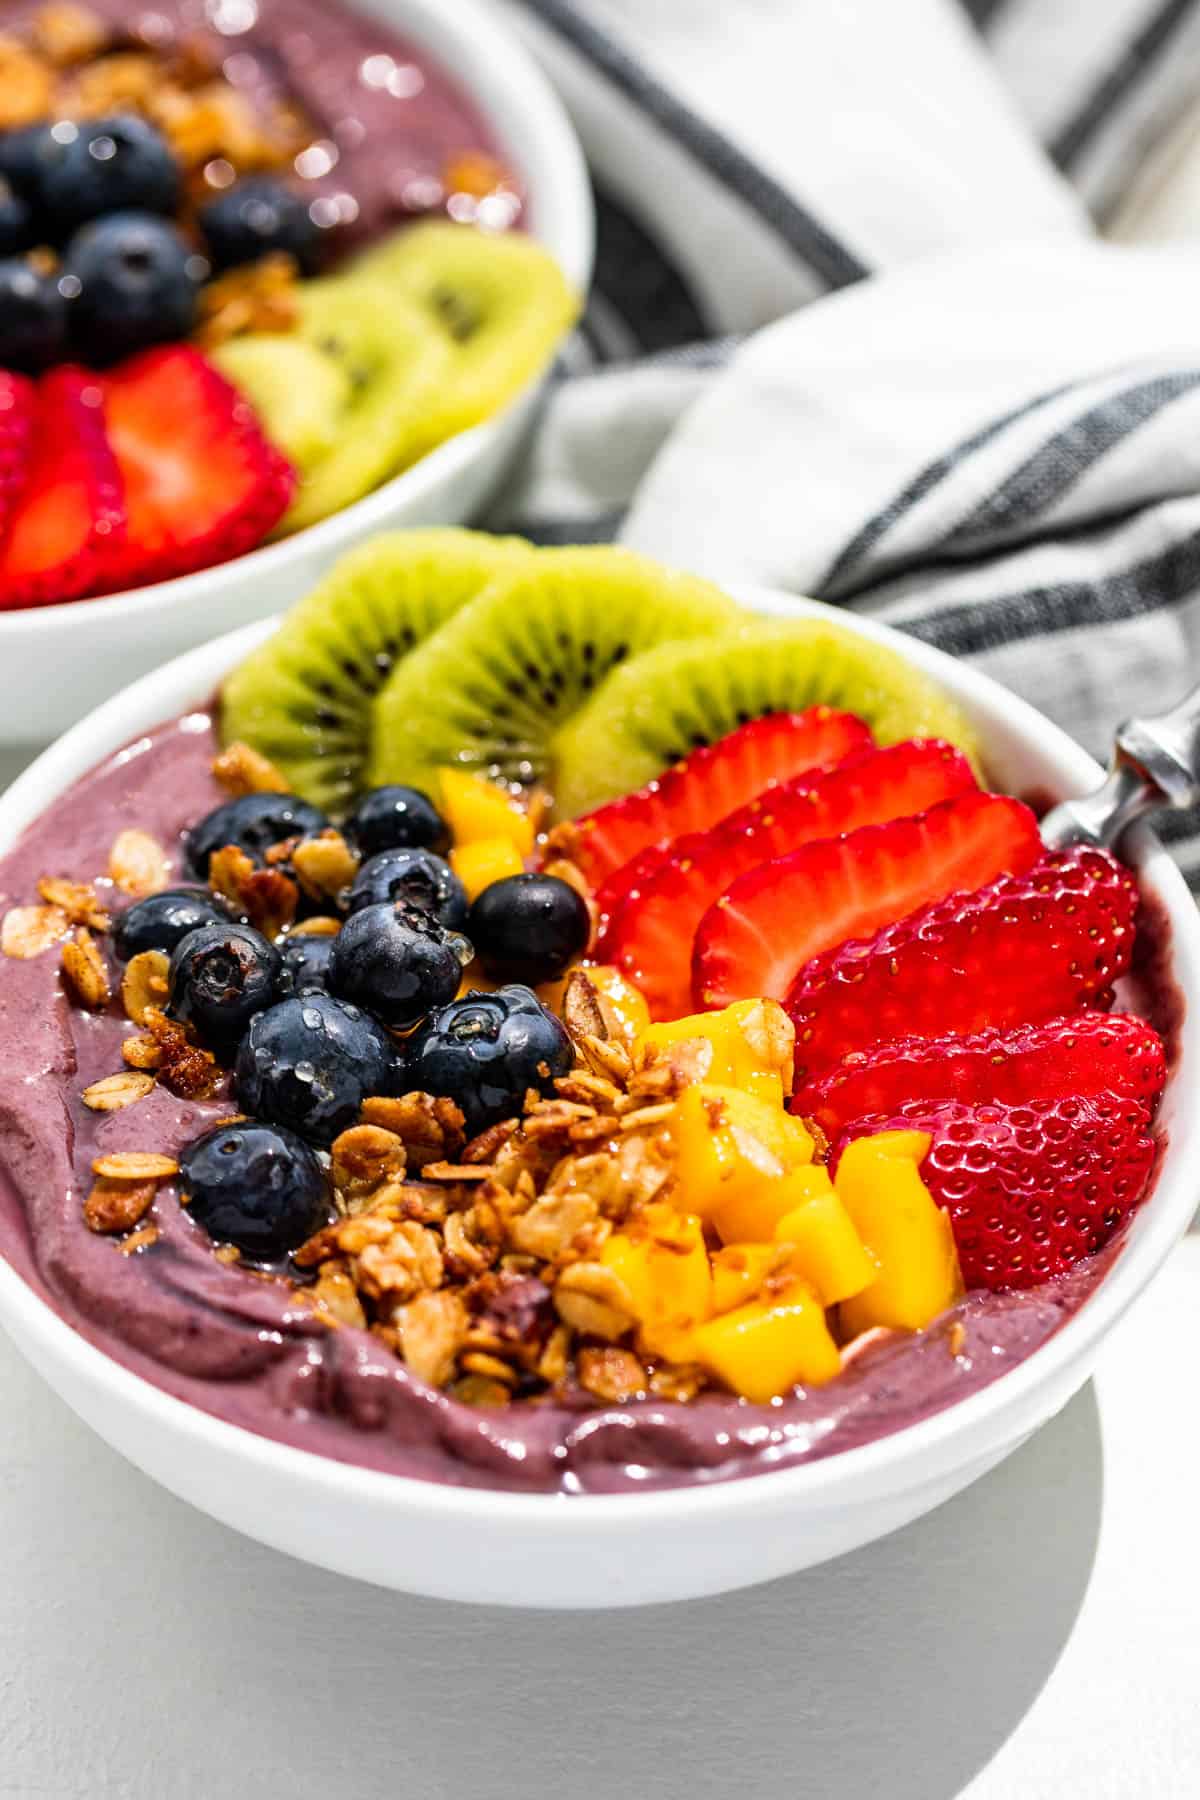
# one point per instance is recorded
(202, 483)
(18, 407)
(1086, 1053)
(68, 522)
(1029, 947)
(627, 883)
(1029, 1188)
(710, 783)
(651, 936)
(755, 940)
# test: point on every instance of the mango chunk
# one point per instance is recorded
(906, 1234)
(752, 1043)
(822, 1243)
(728, 1143)
(738, 1272)
(663, 1263)
(751, 1215)
(623, 1004)
(762, 1350)
(486, 860)
(476, 809)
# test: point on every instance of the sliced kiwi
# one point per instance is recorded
(492, 687)
(671, 699)
(304, 696)
(300, 394)
(500, 302)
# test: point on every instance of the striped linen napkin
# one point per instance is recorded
(854, 333)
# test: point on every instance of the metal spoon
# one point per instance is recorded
(1155, 764)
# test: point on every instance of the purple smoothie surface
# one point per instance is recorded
(241, 1346)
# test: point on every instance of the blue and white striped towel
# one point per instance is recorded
(855, 334)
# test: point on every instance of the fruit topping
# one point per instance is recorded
(1085, 1053)
(749, 1045)
(33, 318)
(160, 920)
(1026, 948)
(66, 531)
(485, 1051)
(201, 482)
(396, 818)
(16, 220)
(412, 878)
(258, 216)
(1029, 1188)
(760, 934)
(904, 1230)
(221, 975)
(255, 1186)
(487, 860)
(18, 402)
(652, 934)
(132, 280)
(304, 966)
(483, 811)
(253, 823)
(528, 928)
(119, 163)
(765, 1348)
(398, 961)
(308, 1063)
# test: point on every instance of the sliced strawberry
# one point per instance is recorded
(1033, 1187)
(627, 883)
(1085, 1053)
(711, 782)
(754, 940)
(202, 483)
(68, 522)
(651, 936)
(1029, 947)
(18, 407)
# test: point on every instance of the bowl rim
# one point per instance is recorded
(500, 76)
(907, 1458)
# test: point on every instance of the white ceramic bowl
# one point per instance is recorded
(554, 1551)
(56, 662)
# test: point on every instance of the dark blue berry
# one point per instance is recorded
(398, 961)
(310, 1062)
(161, 920)
(220, 977)
(16, 220)
(412, 878)
(304, 966)
(117, 164)
(528, 928)
(33, 318)
(252, 822)
(257, 217)
(397, 818)
(24, 155)
(255, 1186)
(132, 280)
(485, 1050)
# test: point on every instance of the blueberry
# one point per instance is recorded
(159, 921)
(528, 928)
(304, 966)
(33, 318)
(413, 878)
(255, 1186)
(24, 155)
(16, 220)
(398, 961)
(310, 1062)
(485, 1050)
(253, 822)
(220, 976)
(397, 818)
(257, 217)
(132, 280)
(117, 164)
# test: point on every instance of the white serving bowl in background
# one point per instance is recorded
(600, 1551)
(56, 662)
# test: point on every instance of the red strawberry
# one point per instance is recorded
(758, 936)
(68, 521)
(1087, 1053)
(651, 937)
(202, 483)
(711, 782)
(625, 884)
(1029, 1188)
(18, 404)
(1031, 946)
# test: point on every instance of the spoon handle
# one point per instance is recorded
(1155, 764)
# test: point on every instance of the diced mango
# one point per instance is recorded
(751, 1215)
(906, 1234)
(728, 1143)
(763, 1349)
(663, 1262)
(752, 1042)
(486, 860)
(822, 1243)
(476, 809)
(738, 1272)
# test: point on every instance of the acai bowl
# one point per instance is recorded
(362, 233)
(293, 1386)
